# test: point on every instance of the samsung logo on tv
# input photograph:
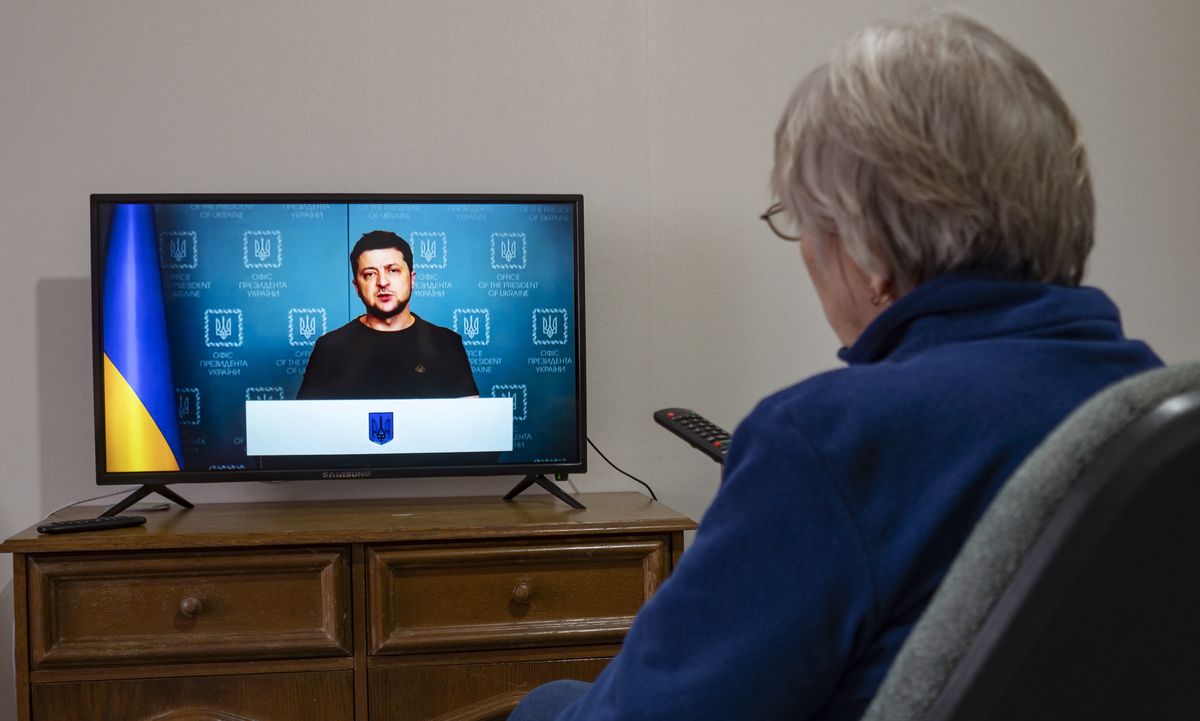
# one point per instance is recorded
(346, 474)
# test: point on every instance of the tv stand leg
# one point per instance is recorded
(541, 480)
(141, 493)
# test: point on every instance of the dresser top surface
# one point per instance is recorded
(362, 521)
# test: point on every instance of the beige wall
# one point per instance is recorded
(659, 112)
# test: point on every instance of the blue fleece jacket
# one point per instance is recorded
(846, 496)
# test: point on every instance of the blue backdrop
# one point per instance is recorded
(250, 288)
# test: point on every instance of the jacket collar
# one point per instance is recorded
(975, 304)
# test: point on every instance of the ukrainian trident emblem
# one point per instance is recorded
(429, 249)
(262, 248)
(508, 250)
(223, 326)
(471, 326)
(308, 326)
(380, 429)
(550, 326)
(178, 249)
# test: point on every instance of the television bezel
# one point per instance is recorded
(104, 477)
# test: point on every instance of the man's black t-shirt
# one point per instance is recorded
(421, 361)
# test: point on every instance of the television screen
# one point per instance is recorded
(270, 337)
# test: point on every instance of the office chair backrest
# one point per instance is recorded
(1077, 595)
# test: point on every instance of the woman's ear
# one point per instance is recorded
(883, 291)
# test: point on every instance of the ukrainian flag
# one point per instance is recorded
(140, 423)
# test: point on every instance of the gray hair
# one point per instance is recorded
(934, 144)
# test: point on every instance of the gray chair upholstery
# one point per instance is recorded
(1077, 595)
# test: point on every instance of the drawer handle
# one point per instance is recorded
(191, 607)
(523, 592)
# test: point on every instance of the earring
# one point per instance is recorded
(881, 299)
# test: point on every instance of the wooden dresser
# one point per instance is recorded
(445, 608)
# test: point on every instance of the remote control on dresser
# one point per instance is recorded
(91, 524)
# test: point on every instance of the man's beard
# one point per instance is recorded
(381, 314)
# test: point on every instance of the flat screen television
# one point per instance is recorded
(233, 339)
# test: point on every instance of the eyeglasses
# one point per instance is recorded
(773, 211)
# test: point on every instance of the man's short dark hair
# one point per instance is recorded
(378, 240)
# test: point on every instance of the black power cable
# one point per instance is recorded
(619, 470)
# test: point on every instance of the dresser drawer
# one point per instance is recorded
(319, 696)
(483, 690)
(506, 595)
(193, 607)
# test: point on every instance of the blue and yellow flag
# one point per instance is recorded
(141, 426)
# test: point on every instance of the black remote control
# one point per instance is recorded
(91, 524)
(697, 430)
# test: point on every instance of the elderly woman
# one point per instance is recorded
(938, 189)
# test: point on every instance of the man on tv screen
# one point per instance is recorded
(388, 351)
